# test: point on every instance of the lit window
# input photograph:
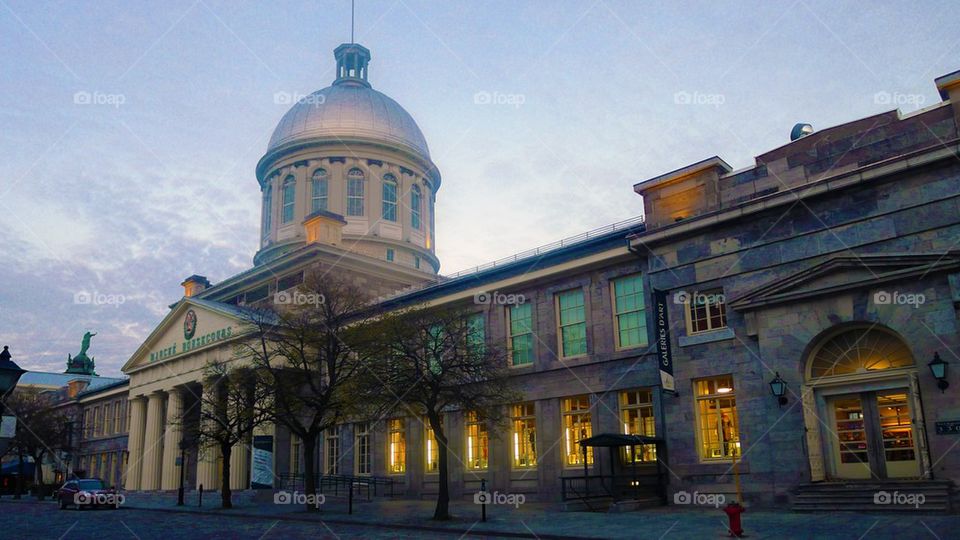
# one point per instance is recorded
(397, 437)
(355, 192)
(718, 428)
(432, 452)
(289, 192)
(390, 254)
(628, 307)
(524, 420)
(267, 207)
(636, 417)
(573, 323)
(389, 198)
(477, 442)
(332, 440)
(319, 191)
(520, 341)
(415, 204)
(576, 427)
(706, 311)
(362, 445)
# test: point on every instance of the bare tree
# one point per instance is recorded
(40, 430)
(231, 407)
(438, 361)
(313, 349)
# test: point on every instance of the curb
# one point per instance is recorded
(463, 532)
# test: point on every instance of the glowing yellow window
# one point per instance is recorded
(717, 425)
(524, 420)
(576, 427)
(397, 437)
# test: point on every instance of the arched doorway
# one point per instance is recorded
(862, 391)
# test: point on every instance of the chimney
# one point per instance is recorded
(194, 285)
(76, 386)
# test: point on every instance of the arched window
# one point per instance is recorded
(267, 207)
(355, 192)
(415, 205)
(289, 194)
(318, 191)
(389, 197)
(859, 350)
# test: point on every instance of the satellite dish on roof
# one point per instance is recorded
(800, 130)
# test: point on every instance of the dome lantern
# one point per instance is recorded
(352, 62)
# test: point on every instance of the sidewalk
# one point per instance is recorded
(543, 520)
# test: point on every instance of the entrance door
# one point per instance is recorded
(873, 436)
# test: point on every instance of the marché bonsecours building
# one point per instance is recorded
(797, 318)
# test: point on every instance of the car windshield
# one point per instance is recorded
(91, 484)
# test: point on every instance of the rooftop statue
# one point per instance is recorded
(81, 364)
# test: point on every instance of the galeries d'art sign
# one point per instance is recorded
(191, 341)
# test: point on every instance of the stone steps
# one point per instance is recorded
(933, 496)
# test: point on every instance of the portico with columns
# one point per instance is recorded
(166, 387)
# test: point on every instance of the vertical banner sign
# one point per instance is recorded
(664, 356)
(261, 475)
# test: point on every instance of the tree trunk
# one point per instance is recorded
(225, 494)
(442, 512)
(309, 474)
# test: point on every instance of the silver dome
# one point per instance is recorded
(344, 111)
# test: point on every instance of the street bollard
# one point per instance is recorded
(201, 496)
(483, 503)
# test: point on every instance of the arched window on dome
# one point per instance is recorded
(415, 205)
(289, 196)
(318, 191)
(355, 192)
(267, 207)
(389, 197)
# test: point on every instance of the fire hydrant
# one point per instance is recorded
(733, 511)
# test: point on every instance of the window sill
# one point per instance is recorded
(521, 366)
(706, 337)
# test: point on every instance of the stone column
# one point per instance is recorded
(153, 443)
(240, 466)
(207, 464)
(138, 421)
(170, 479)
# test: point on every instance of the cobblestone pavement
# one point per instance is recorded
(33, 519)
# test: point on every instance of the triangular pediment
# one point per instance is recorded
(192, 324)
(845, 273)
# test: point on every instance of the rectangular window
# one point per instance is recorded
(332, 453)
(576, 427)
(318, 200)
(389, 199)
(573, 323)
(416, 262)
(432, 450)
(476, 334)
(636, 416)
(390, 254)
(267, 208)
(296, 452)
(477, 442)
(397, 437)
(108, 419)
(524, 420)
(354, 196)
(97, 422)
(520, 330)
(706, 311)
(629, 312)
(118, 416)
(289, 193)
(717, 425)
(362, 446)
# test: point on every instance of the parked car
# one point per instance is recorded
(87, 493)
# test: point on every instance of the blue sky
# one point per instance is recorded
(154, 180)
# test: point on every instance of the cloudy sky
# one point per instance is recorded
(541, 116)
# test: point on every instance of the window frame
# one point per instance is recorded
(511, 336)
(736, 443)
(331, 450)
(647, 453)
(522, 420)
(473, 421)
(388, 207)
(577, 416)
(642, 310)
(430, 436)
(320, 202)
(267, 208)
(364, 452)
(289, 187)
(688, 309)
(416, 203)
(398, 427)
(358, 180)
(561, 326)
